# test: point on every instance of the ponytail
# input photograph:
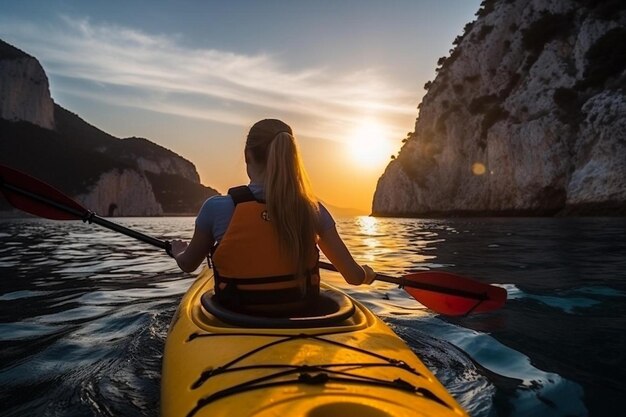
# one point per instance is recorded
(291, 207)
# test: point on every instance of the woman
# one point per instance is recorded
(261, 238)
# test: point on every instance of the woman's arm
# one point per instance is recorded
(189, 257)
(338, 254)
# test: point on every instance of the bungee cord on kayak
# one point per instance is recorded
(312, 375)
(285, 339)
(301, 368)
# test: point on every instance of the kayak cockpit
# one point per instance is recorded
(335, 313)
(330, 309)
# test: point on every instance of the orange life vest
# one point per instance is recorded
(249, 266)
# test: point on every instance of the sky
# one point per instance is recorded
(193, 76)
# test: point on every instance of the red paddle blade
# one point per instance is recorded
(456, 295)
(35, 197)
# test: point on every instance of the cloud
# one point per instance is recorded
(159, 73)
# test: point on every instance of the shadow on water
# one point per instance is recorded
(84, 312)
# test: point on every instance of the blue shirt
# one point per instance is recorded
(216, 212)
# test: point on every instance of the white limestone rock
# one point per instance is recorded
(173, 165)
(24, 92)
(600, 173)
(514, 123)
(122, 193)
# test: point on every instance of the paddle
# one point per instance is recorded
(443, 292)
(36, 197)
(446, 293)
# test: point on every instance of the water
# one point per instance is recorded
(84, 312)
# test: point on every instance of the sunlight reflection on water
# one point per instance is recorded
(392, 246)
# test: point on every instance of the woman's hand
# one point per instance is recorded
(178, 247)
(369, 276)
(190, 256)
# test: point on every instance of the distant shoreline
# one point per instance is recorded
(433, 215)
(15, 214)
(606, 209)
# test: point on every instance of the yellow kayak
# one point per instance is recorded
(340, 361)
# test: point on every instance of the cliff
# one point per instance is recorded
(123, 192)
(24, 92)
(109, 175)
(526, 116)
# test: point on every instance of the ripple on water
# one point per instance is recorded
(566, 301)
(18, 295)
(24, 330)
(453, 367)
(527, 390)
(74, 315)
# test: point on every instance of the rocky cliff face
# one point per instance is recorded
(124, 192)
(155, 159)
(172, 166)
(24, 91)
(111, 176)
(526, 116)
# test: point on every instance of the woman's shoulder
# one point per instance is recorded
(217, 201)
(216, 205)
(213, 210)
(326, 220)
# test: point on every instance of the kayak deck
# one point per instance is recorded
(355, 367)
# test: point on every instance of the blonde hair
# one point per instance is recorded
(291, 206)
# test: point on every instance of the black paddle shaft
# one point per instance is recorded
(93, 218)
(403, 282)
(88, 216)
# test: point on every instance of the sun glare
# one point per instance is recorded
(369, 145)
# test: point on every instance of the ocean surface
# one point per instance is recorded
(84, 312)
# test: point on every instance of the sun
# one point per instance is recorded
(369, 145)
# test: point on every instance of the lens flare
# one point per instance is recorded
(478, 168)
